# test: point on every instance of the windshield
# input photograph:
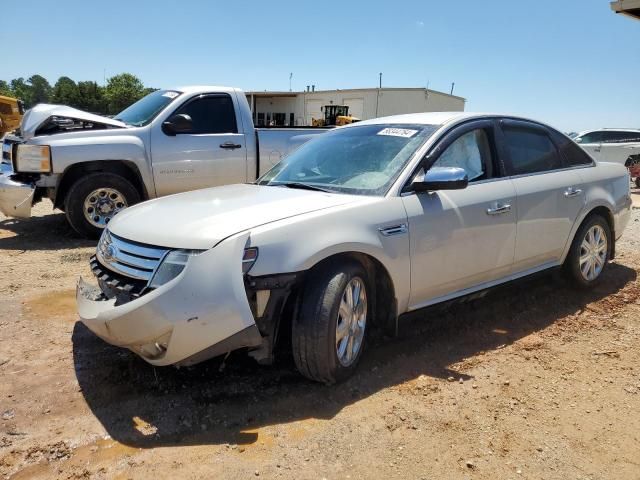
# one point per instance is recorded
(364, 159)
(146, 109)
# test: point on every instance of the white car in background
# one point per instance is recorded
(611, 145)
(354, 229)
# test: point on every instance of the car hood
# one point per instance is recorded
(35, 117)
(202, 218)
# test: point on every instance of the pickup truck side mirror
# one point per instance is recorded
(440, 178)
(180, 123)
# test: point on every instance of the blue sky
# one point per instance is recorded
(572, 63)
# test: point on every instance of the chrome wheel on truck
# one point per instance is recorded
(102, 204)
(94, 198)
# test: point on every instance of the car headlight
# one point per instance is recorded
(171, 266)
(249, 258)
(33, 158)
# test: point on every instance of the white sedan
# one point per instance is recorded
(356, 228)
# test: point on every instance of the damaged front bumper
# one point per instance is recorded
(202, 313)
(16, 197)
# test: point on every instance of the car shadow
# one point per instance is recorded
(145, 407)
(49, 232)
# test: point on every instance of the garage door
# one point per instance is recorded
(313, 110)
(356, 107)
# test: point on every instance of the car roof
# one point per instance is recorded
(436, 118)
(628, 130)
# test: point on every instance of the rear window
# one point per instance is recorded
(619, 137)
(530, 151)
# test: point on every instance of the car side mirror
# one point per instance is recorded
(180, 123)
(440, 178)
(578, 140)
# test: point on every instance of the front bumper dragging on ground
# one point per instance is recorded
(202, 313)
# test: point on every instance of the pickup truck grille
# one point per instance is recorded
(129, 259)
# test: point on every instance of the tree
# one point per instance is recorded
(65, 92)
(91, 97)
(121, 91)
(5, 89)
(40, 89)
(22, 91)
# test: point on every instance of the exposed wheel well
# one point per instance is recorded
(123, 168)
(605, 213)
(384, 298)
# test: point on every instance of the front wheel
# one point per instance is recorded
(328, 334)
(589, 252)
(93, 200)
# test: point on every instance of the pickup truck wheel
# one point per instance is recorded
(93, 200)
(328, 334)
(589, 252)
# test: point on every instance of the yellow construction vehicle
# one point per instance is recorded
(11, 112)
(334, 115)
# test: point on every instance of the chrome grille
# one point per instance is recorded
(127, 258)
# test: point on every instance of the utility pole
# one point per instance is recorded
(290, 77)
(380, 81)
(378, 95)
(453, 84)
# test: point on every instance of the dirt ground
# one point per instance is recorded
(537, 380)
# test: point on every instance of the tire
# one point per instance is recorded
(111, 192)
(317, 354)
(597, 257)
(638, 182)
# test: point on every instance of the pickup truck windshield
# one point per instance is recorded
(146, 109)
(363, 160)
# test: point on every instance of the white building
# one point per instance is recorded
(627, 7)
(299, 108)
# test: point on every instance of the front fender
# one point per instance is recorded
(297, 244)
(69, 152)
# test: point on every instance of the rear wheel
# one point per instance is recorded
(328, 335)
(589, 252)
(638, 182)
(92, 201)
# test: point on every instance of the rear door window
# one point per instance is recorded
(530, 150)
(211, 114)
(612, 136)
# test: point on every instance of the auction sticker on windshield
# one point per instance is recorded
(398, 132)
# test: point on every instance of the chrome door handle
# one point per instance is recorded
(498, 209)
(572, 192)
(230, 145)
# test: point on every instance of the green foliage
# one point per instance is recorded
(121, 91)
(65, 92)
(40, 89)
(5, 89)
(91, 97)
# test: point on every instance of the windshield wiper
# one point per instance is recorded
(303, 186)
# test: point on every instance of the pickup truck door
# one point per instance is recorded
(461, 239)
(212, 153)
(549, 195)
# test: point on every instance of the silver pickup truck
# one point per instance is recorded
(170, 141)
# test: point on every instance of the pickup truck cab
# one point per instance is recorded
(170, 141)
